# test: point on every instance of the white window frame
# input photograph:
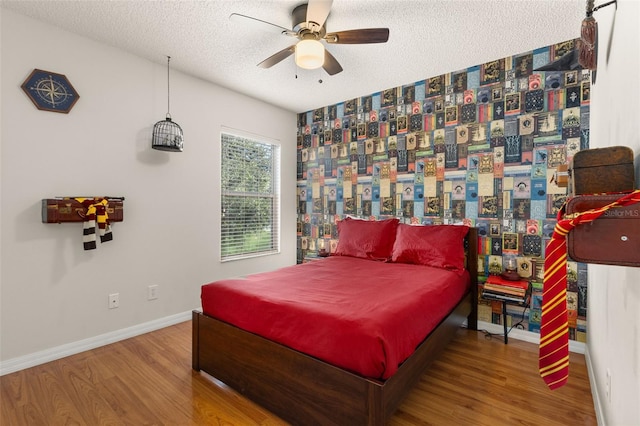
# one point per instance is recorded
(232, 135)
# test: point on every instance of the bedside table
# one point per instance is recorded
(509, 295)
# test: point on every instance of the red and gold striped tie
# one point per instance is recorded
(554, 331)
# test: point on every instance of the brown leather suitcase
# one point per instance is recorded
(59, 210)
(611, 239)
(602, 170)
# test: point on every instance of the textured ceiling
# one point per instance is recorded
(427, 38)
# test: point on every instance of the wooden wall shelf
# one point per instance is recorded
(67, 209)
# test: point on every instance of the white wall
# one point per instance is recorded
(52, 291)
(614, 292)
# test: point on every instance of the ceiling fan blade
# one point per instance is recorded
(331, 65)
(362, 36)
(280, 56)
(318, 11)
(258, 23)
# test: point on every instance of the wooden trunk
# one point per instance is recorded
(602, 170)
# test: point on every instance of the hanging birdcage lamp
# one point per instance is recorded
(167, 134)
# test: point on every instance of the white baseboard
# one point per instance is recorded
(527, 336)
(47, 355)
(597, 401)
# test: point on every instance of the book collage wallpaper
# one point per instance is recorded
(479, 146)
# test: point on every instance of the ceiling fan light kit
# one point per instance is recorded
(308, 26)
(309, 54)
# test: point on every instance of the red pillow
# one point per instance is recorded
(431, 245)
(366, 239)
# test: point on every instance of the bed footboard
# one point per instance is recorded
(299, 388)
(302, 389)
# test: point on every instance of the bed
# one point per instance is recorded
(310, 381)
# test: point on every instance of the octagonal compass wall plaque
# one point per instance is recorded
(50, 91)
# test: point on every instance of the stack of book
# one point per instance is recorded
(498, 288)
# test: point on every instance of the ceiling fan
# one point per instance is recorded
(308, 26)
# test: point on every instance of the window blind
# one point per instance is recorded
(250, 177)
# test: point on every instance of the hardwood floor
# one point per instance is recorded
(147, 380)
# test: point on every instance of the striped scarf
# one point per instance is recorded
(96, 210)
(554, 332)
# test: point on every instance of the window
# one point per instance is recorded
(250, 197)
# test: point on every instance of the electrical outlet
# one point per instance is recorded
(152, 292)
(114, 300)
(608, 386)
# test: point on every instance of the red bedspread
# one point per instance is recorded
(360, 315)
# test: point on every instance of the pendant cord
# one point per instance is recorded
(168, 91)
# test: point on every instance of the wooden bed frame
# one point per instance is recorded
(304, 390)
